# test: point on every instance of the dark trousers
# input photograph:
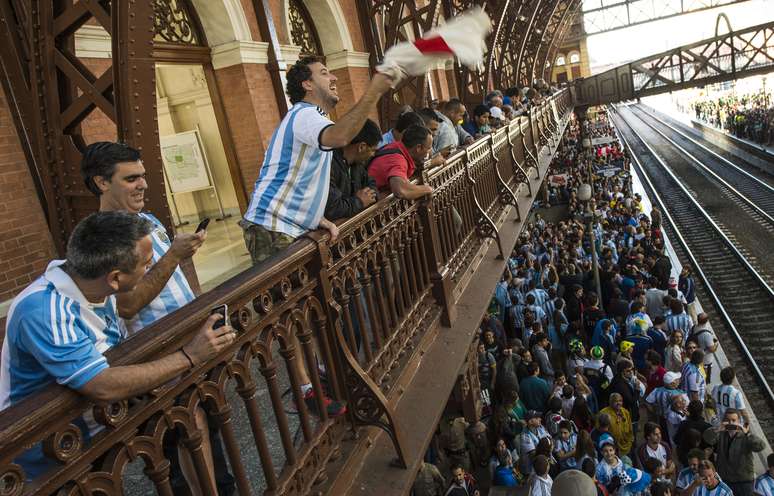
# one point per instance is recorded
(741, 488)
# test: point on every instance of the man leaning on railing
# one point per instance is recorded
(59, 327)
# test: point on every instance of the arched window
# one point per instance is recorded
(560, 60)
(302, 29)
(174, 22)
(574, 58)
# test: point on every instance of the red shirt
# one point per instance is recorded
(382, 168)
(655, 379)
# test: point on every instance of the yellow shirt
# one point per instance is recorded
(621, 429)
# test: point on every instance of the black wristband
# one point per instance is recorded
(188, 357)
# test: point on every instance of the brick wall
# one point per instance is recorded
(25, 242)
(251, 110)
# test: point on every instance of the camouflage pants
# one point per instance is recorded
(262, 243)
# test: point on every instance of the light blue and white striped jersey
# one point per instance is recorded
(682, 322)
(727, 396)
(540, 296)
(692, 381)
(685, 478)
(292, 189)
(661, 397)
(53, 334)
(176, 292)
(720, 490)
(764, 485)
(549, 306)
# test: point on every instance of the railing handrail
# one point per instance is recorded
(55, 407)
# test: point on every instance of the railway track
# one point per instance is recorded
(749, 227)
(735, 295)
(746, 186)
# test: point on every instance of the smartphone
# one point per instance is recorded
(222, 310)
(202, 225)
(732, 427)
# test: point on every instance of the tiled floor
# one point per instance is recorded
(222, 255)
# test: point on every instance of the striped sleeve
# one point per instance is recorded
(52, 332)
(309, 125)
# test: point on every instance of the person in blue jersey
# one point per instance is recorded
(692, 381)
(114, 173)
(764, 484)
(59, 327)
(688, 479)
(292, 188)
(726, 395)
(711, 485)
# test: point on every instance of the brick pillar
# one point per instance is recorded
(353, 71)
(251, 112)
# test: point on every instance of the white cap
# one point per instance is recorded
(573, 483)
(496, 112)
(671, 377)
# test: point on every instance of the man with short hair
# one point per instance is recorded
(688, 479)
(451, 135)
(708, 343)
(540, 352)
(711, 485)
(394, 164)
(533, 390)
(405, 119)
(352, 190)
(462, 483)
(734, 446)
(115, 174)
(693, 382)
(620, 424)
(292, 188)
(764, 484)
(678, 320)
(60, 326)
(727, 396)
(530, 438)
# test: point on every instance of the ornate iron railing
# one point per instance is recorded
(359, 310)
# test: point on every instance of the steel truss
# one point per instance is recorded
(601, 16)
(722, 58)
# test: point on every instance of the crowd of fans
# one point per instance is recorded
(749, 116)
(601, 392)
(613, 383)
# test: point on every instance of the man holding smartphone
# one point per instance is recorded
(734, 445)
(115, 174)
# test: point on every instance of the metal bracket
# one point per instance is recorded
(504, 194)
(367, 405)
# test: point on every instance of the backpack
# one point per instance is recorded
(694, 335)
(598, 382)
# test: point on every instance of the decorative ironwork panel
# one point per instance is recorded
(302, 29)
(174, 22)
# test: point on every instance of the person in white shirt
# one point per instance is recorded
(727, 396)
(539, 481)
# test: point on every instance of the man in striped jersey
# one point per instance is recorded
(688, 479)
(692, 381)
(115, 174)
(678, 319)
(727, 396)
(711, 485)
(292, 188)
(59, 327)
(764, 484)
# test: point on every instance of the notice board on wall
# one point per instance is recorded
(185, 162)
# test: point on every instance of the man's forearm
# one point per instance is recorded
(119, 383)
(151, 284)
(341, 133)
